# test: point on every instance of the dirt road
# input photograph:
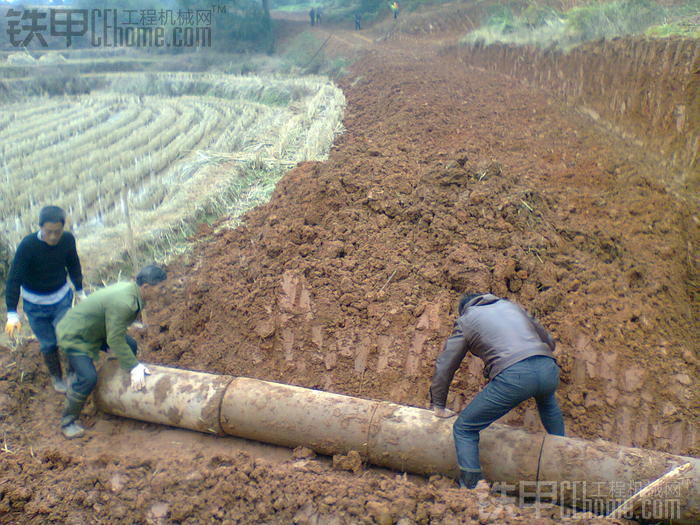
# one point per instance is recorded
(447, 179)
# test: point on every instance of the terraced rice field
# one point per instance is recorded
(154, 143)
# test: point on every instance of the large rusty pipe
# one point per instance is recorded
(399, 437)
(181, 398)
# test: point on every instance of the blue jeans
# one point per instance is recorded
(537, 377)
(85, 373)
(43, 319)
(84, 383)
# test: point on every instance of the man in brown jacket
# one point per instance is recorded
(518, 361)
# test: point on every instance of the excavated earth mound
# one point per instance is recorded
(447, 179)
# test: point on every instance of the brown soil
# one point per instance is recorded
(447, 179)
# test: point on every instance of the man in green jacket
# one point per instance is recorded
(100, 322)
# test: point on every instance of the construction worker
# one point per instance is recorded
(99, 323)
(312, 16)
(518, 361)
(394, 6)
(38, 274)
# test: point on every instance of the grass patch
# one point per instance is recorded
(675, 29)
(305, 55)
(302, 7)
(683, 26)
(546, 27)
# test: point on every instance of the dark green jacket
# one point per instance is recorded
(102, 318)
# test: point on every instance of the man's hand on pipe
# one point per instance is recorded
(138, 377)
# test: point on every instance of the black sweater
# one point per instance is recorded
(42, 269)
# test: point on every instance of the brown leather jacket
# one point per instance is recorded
(495, 330)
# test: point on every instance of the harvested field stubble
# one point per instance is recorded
(153, 138)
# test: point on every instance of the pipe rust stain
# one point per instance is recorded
(174, 415)
(162, 389)
(209, 417)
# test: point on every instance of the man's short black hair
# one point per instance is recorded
(465, 299)
(52, 214)
(151, 274)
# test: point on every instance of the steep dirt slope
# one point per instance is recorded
(450, 179)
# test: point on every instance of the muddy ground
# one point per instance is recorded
(447, 179)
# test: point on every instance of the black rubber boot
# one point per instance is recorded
(468, 480)
(70, 425)
(53, 363)
(73, 430)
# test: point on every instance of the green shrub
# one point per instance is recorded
(537, 16)
(613, 19)
(501, 19)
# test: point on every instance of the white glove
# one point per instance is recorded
(13, 325)
(138, 377)
(78, 297)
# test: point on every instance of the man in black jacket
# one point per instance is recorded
(518, 361)
(39, 271)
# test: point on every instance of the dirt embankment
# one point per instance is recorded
(647, 89)
(450, 179)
